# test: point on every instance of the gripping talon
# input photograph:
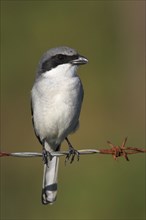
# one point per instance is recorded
(46, 154)
(75, 153)
(72, 153)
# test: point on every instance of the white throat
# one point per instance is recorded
(63, 70)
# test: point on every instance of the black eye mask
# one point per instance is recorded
(57, 60)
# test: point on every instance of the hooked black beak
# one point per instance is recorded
(80, 60)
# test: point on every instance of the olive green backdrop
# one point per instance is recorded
(111, 34)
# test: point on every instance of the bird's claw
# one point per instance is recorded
(72, 152)
(45, 155)
(71, 155)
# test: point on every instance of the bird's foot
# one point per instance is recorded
(45, 155)
(72, 153)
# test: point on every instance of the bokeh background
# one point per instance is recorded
(111, 34)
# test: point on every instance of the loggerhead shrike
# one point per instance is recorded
(56, 100)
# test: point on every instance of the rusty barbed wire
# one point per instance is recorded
(115, 150)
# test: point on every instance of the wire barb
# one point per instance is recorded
(121, 151)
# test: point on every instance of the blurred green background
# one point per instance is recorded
(111, 34)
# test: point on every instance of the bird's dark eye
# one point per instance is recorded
(61, 57)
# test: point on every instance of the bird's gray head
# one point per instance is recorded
(58, 56)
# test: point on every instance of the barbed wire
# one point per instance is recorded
(115, 150)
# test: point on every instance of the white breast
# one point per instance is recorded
(56, 100)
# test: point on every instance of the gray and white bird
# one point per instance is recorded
(56, 100)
